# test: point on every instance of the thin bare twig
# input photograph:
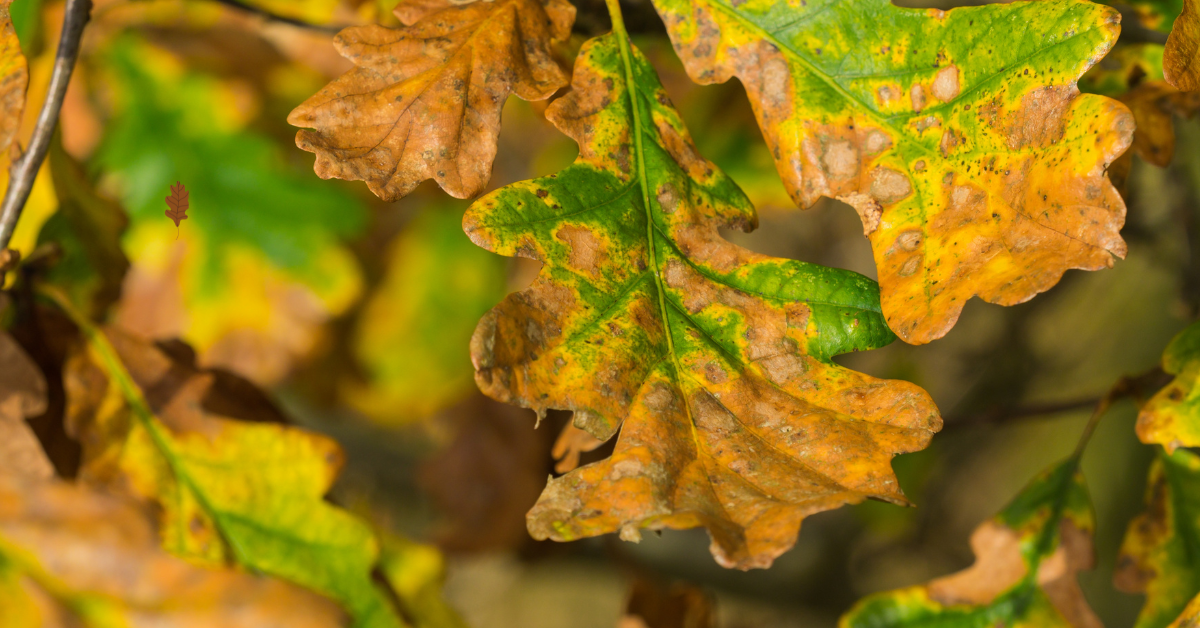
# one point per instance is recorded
(24, 169)
(1136, 386)
(249, 8)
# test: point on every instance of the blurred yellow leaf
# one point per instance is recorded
(230, 491)
(412, 336)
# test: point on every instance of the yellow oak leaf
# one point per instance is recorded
(958, 136)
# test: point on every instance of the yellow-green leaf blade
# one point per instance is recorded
(1160, 555)
(1024, 575)
(958, 136)
(1172, 416)
(230, 491)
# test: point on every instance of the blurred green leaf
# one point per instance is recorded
(1161, 552)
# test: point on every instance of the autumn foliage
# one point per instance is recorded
(322, 401)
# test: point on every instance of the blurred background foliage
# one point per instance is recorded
(357, 314)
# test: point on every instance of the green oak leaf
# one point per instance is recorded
(712, 361)
(1024, 574)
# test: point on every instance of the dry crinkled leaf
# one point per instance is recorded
(14, 79)
(1158, 555)
(22, 395)
(1172, 416)
(74, 557)
(713, 361)
(1024, 576)
(959, 136)
(424, 101)
(1154, 103)
(230, 491)
(1180, 58)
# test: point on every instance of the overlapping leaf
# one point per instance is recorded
(412, 334)
(70, 556)
(958, 136)
(1026, 561)
(230, 491)
(711, 360)
(1172, 416)
(424, 101)
(1159, 555)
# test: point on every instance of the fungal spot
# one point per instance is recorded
(841, 160)
(945, 84)
(889, 186)
(876, 142)
(917, 94)
(586, 250)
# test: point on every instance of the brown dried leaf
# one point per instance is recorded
(1183, 48)
(424, 101)
(178, 203)
(22, 395)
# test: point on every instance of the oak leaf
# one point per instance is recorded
(424, 101)
(229, 491)
(712, 361)
(976, 166)
(1182, 53)
(1026, 561)
(1172, 416)
(70, 556)
(177, 203)
(1158, 555)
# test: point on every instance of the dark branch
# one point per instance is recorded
(237, 4)
(1138, 387)
(24, 169)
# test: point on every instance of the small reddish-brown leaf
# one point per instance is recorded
(424, 101)
(178, 203)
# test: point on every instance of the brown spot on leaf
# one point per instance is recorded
(945, 84)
